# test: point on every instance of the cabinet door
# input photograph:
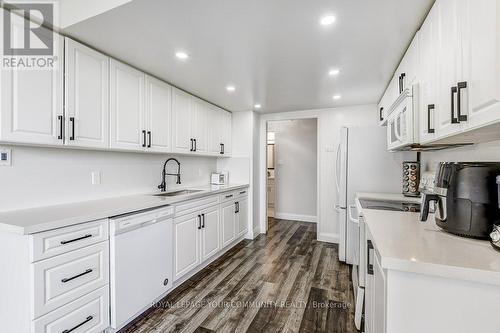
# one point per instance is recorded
(215, 128)
(199, 125)
(158, 115)
(210, 233)
(87, 96)
(411, 63)
(450, 63)
(228, 222)
(379, 296)
(369, 291)
(32, 100)
(226, 133)
(126, 107)
(186, 244)
(242, 216)
(182, 115)
(481, 42)
(428, 77)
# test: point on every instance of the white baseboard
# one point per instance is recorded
(252, 234)
(296, 217)
(328, 238)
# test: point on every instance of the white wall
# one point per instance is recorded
(329, 123)
(48, 176)
(484, 152)
(295, 168)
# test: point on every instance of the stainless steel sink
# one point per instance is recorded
(176, 193)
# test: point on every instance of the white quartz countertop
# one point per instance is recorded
(33, 220)
(406, 244)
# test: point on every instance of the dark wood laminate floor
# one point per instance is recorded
(284, 281)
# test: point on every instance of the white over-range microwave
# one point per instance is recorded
(402, 129)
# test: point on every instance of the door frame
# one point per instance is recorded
(264, 119)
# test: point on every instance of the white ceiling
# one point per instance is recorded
(274, 52)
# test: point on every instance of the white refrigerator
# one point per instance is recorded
(363, 164)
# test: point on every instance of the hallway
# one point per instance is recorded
(284, 281)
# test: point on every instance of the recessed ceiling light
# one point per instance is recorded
(327, 20)
(337, 96)
(230, 88)
(257, 106)
(182, 55)
(334, 72)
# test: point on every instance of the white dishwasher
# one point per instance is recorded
(141, 251)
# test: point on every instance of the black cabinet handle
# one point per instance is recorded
(72, 121)
(76, 276)
(229, 196)
(149, 139)
(191, 149)
(89, 318)
(144, 138)
(403, 75)
(460, 86)
(429, 108)
(199, 222)
(243, 192)
(454, 120)
(381, 115)
(221, 148)
(369, 267)
(195, 145)
(76, 239)
(203, 219)
(236, 207)
(61, 127)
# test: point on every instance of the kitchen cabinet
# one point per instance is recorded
(210, 232)
(32, 100)
(127, 111)
(242, 216)
(228, 215)
(219, 130)
(182, 117)
(186, 244)
(375, 291)
(226, 133)
(199, 126)
(86, 96)
(158, 115)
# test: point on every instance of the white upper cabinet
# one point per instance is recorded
(87, 96)
(158, 115)
(127, 116)
(219, 131)
(199, 128)
(182, 115)
(427, 76)
(226, 133)
(32, 100)
(481, 61)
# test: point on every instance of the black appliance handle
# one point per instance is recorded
(369, 266)
(428, 197)
(454, 120)
(72, 121)
(460, 86)
(429, 108)
(89, 318)
(144, 138)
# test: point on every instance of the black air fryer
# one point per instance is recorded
(466, 196)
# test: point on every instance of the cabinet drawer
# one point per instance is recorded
(50, 243)
(89, 314)
(195, 205)
(228, 196)
(242, 192)
(62, 279)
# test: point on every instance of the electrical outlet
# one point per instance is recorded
(5, 156)
(95, 177)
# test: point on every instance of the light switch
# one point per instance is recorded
(5, 157)
(96, 177)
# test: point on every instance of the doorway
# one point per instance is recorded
(291, 170)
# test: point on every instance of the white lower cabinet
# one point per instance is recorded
(186, 244)
(242, 216)
(228, 214)
(375, 291)
(210, 232)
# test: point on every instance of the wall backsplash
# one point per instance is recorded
(484, 152)
(48, 176)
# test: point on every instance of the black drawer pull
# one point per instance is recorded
(229, 196)
(369, 267)
(429, 108)
(76, 276)
(243, 192)
(89, 318)
(460, 86)
(76, 239)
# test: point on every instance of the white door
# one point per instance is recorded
(158, 115)
(32, 100)
(242, 216)
(481, 41)
(126, 107)
(215, 129)
(199, 126)
(226, 133)
(182, 115)
(186, 244)
(228, 222)
(450, 64)
(428, 76)
(210, 232)
(87, 96)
